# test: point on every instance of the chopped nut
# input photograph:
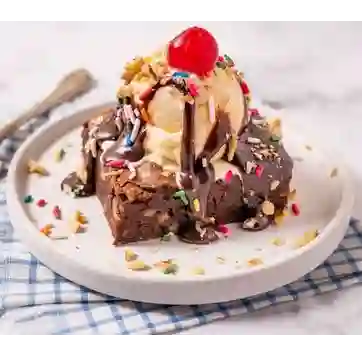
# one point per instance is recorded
(130, 255)
(162, 264)
(75, 226)
(163, 218)
(59, 155)
(334, 172)
(171, 269)
(132, 68)
(124, 91)
(34, 167)
(277, 242)
(309, 148)
(79, 217)
(308, 237)
(274, 185)
(137, 265)
(220, 260)
(255, 262)
(249, 167)
(292, 194)
(275, 127)
(198, 271)
(278, 220)
(253, 140)
(167, 237)
(47, 229)
(233, 142)
(268, 208)
(249, 223)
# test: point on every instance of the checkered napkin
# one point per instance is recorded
(34, 300)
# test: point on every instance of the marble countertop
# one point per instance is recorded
(311, 70)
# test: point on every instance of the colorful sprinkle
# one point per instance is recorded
(128, 141)
(181, 75)
(259, 171)
(229, 60)
(116, 163)
(135, 130)
(59, 155)
(128, 110)
(181, 194)
(254, 112)
(224, 229)
(228, 176)
(220, 58)
(244, 88)
(192, 88)
(196, 203)
(57, 212)
(28, 199)
(295, 209)
(41, 203)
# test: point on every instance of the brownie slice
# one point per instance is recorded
(146, 202)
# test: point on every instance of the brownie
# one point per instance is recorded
(141, 201)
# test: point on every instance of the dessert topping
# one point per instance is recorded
(194, 50)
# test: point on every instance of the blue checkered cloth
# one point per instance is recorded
(34, 300)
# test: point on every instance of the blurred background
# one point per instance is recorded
(309, 71)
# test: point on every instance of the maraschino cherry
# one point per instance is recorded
(194, 50)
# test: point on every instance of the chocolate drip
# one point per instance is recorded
(188, 140)
(198, 176)
(218, 137)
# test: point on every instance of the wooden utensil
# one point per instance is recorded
(72, 86)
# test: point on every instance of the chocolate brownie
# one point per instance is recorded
(142, 197)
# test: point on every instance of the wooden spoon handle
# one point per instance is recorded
(72, 86)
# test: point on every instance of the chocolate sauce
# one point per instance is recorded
(149, 198)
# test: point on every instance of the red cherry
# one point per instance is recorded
(194, 50)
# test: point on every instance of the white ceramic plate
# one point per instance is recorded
(91, 260)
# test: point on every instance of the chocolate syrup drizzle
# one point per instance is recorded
(197, 173)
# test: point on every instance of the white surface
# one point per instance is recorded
(91, 260)
(313, 69)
